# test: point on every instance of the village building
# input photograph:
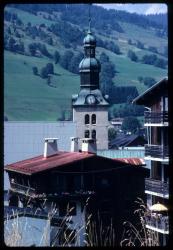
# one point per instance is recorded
(155, 100)
(117, 123)
(126, 141)
(69, 179)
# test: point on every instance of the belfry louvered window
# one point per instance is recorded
(94, 134)
(93, 119)
(87, 133)
(87, 119)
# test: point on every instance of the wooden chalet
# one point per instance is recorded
(71, 178)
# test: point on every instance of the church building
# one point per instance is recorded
(90, 107)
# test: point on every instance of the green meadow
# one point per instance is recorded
(29, 97)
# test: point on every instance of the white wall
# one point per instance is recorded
(101, 126)
(26, 231)
(23, 140)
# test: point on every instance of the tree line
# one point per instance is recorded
(150, 59)
(77, 13)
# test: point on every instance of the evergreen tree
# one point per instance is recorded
(161, 63)
(35, 70)
(11, 44)
(131, 124)
(74, 63)
(152, 49)
(149, 81)
(140, 79)
(104, 58)
(32, 48)
(149, 59)
(111, 134)
(66, 59)
(132, 56)
(43, 72)
(50, 68)
(56, 57)
(140, 45)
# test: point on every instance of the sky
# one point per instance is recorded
(146, 9)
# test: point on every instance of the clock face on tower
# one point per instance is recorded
(90, 99)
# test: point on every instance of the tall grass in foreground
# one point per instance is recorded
(93, 234)
(139, 236)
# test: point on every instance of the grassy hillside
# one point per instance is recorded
(28, 97)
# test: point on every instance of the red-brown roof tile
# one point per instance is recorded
(39, 163)
(132, 161)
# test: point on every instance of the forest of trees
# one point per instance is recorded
(76, 14)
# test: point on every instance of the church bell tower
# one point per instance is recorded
(90, 107)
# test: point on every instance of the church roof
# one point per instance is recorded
(89, 63)
(81, 99)
(89, 40)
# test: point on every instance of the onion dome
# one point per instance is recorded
(89, 67)
(89, 64)
(89, 40)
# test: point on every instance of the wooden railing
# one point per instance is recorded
(157, 186)
(50, 192)
(22, 188)
(158, 221)
(156, 117)
(156, 151)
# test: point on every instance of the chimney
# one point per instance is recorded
(50, 146)
(89, 145)
(74, 144)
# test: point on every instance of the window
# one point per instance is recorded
(87, 133)
(93, 119)
(87, 119)
(93, 134)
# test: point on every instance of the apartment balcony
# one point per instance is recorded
(157, 153)
(156, 118)
(156, 187)
(158, 223)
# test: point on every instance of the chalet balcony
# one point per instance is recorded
(156, 187)
(158, 223)
(156, 118)
(50, 193)
(66, 195)
(157, 151)
(22, 188)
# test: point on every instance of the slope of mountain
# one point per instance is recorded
(61, 28)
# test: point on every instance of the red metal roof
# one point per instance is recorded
(132, 161)
(40, 163)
